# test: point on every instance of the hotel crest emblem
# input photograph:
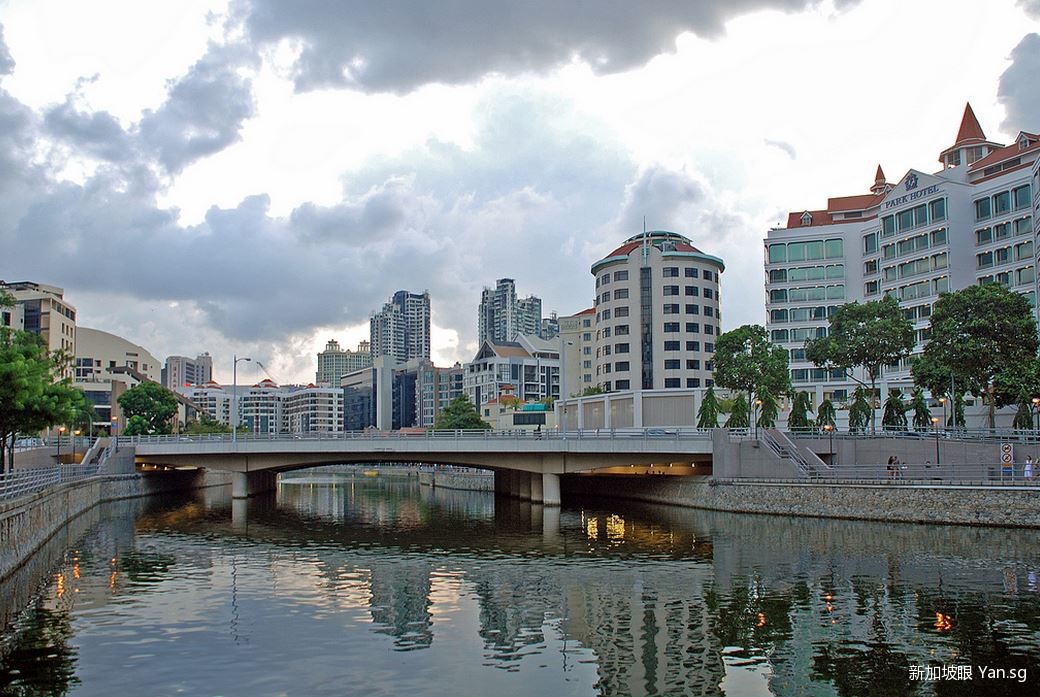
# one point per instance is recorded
(911, 182)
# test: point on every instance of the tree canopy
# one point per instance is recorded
(738, 413)
(894, 418)
(801, 410)
(869, 335)
(859, 411)
(922, 420)
(460, 414)
(148, 408)
(33, 396)
(746, 360)
(826, 414)
(978, 333)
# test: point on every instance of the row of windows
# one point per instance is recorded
(816, 374)
(918, 216)
(618, 312)
(780, 336)
(671, 383)
(794, 295)
(691, 328)
(669, 364)
(1002, 231)
(666, 272)
(921, 289)
(814, 250)
(690, 291)
(917, 266)
(1026, 274)
(691, 309)
(803, 314)
(1003, 202)
(618, 276)
(807, 273)
(690, 346)
(1004, 255)
(914, 244)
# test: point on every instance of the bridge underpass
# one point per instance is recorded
(527, 466)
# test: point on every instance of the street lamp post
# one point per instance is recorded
(61, 430)
(935, 425)
(234, 398)
(1036, 412)
(112, 433)
(942, 401)
(75, 435)
(758, 403)
(830, 441)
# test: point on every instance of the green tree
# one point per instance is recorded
(148, 408)
(768, 410)
(801, 408)
(206, 424)
(460, 414)
(894, 418)
(1023, 417)
(977, 333)
(746, 360)
(869, 335)
(826, 414)
(33, 395)
(922, 414)
(859, 411)
(592, 390)
(738, 413)
(708, 414)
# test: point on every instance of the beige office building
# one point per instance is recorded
(43, 310)
(657, 314)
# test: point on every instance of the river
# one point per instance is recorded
(353, 585)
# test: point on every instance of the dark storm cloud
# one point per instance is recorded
(98, 134)
(6, 61)
(399, 46)
(203, 112)
(1018, 87)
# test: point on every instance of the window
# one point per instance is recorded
(1001, 202)
(693, 382)
(605, 297)
(983, 235)
(920, 215)
(779, 336)
(693, 364)
(709, 348)
(606, 332)
(694, 327)
(671, 327)
(940, 261)
(621, 275)
(693, 346)
(671, 308)
(905, 220)
(671, 346)
(937, 210)
(888, 251)
(671, 290)
(621, 348)
(621, 330)
(835, 249)
(1002, 231)
(1024, 226)
(777, 253)
(690, 272)
(708, 293)
(708, 311)
(672, 382)
(694, 291)
(621, 312)
(606, 351)
(621, 366)
(775, 276)
(778, 296)
(1024, 250)
(692, 309)
(670, 272)
(605, 279)
(1020, 197)
(606, 314)
(1002, 255)
(983, 211)
(938, 237)
(888, 226)
(621, 294)
(870, 243)
(672, 364)
(1025, 275)
(621, 385)
(871, 288)
(870, 267)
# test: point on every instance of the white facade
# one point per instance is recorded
(313, 409)
(181, 370)
(401, 330)
(578, 347)
(268, 408)
(527, 369)
(44, 311)
(972, 222)
(502, 315)
(335, 362)
(98, 352)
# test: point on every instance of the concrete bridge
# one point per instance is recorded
(527, 464)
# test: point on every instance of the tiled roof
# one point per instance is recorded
(853, 203)
(970, 129)
(1002, 154)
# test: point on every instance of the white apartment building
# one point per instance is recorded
(657, 314)
(269, 408)
(181, 370)
(527, 369)
(42, 309)
(502, 315)
(972, 222)
(401, 330)
(578, 346)
(335, 362)
(313, 409)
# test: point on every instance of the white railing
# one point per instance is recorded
(648, 434)
(24, 481)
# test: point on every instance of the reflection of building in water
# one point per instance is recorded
(401, 603)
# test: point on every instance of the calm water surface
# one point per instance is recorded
(374, 586)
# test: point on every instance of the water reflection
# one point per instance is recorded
(355, 584)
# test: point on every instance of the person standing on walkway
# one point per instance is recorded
(1027, 469)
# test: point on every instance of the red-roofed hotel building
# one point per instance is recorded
(973, 221)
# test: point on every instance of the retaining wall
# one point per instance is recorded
(959, 505)
(465, 481)
(27, 522)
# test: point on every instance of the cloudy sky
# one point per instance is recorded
(257, 176)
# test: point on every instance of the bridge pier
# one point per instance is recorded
(536, 487)
(246, 484)
(551, 489)
(524, 481)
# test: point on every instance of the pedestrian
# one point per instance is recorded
(1027, 470)
(891, 467)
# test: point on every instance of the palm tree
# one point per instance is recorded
(894, 418)
(801, 408)
(708, 415)
(826, 414)
(859, 411)
(738, 415)
(922, 415)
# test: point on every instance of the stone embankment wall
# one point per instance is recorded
(27, 522)
(976, 505)
(465, 481)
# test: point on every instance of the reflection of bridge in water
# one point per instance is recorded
(527, 464)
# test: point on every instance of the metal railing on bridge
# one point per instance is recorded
(648, 434)
(24, 481)
(928, 473)
(1004, 435)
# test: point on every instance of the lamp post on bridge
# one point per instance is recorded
(942, 401)
(61, 431)
(935, 425)
(1036, 412)
(234, 398)
(758, 403)
(830, 442)
(75, 435)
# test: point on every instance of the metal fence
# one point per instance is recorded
(959, 473)
(24, 481)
